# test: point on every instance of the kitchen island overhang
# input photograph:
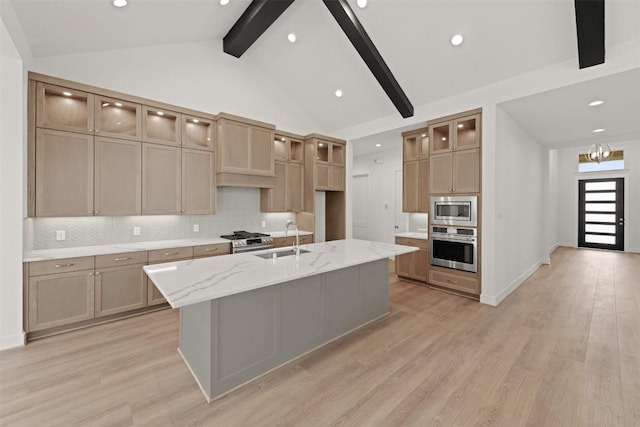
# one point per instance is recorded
(242, 316)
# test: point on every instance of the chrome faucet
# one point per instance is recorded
(290, 223)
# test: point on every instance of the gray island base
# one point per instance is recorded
(229, 341)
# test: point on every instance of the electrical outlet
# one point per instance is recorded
(60, 235)
(196, 228)
(264, 224)
(136, 231)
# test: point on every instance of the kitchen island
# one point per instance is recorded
(243, 315)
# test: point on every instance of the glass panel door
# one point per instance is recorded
(601, 213)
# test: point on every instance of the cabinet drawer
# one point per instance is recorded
(39, 268)
(281, 242)
(127, 258)
(170, 254)
(306, 239)
(211, 250)
(408, 241)
(454, 281)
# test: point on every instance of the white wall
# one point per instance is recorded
(567, 207)
(519, 205)
(193, 75)
(11, 185)
(381, 189)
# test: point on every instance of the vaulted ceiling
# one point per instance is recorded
(502, 39)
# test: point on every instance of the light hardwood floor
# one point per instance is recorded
(563, 350)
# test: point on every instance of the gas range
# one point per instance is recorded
(244, 241)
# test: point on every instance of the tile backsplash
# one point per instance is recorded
(418, 222)
(236, 209)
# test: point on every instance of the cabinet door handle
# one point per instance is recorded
(452, 281)
(97, 273)
(62, 265)
(210, 249)
(122, 259)
(170, 253)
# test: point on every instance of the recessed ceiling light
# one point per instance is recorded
(118, 104)
(119, 3)
(292, 37)
(598, 130)
(160, 113)
(596, 102)
(65, 93)
(224, 2)
(361, 3)
(378, 145)
(196, 121)
(338, 93)
(457, 40)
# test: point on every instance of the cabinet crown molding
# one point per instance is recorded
(455, 116)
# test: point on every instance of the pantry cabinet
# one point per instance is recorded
(118, 177)
(161, 180)
(64, 173)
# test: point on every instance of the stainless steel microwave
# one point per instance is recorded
(454, 210)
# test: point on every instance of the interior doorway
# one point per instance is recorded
(601, 213)
(361, 206)
(401, 219)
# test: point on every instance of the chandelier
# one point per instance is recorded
(599, 153)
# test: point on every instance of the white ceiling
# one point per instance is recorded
(502, 39)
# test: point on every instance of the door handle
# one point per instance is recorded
(396, 226)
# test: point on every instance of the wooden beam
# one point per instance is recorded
(356, 33)
(254, 21)
(590, 30)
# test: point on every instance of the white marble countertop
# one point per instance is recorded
(114, 248)
(414, 235)
(188, 282)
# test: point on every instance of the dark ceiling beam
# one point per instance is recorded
(356, 33)
(590, 29)
(255, 20)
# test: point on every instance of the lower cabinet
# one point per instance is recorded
(119, 289)
(456, 280)
(283, 242)
(59, 299)
(413, 265)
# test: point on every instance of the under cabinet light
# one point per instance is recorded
(281, 139)
(195, 121)
(106, 104)
(160, 113)
(460, 125)
(320, 144)
(118, 104)
(424, 135)
(65, 93)
(444, 138)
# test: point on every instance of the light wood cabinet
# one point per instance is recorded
(154, 296)
(414, 265)
(161, 179)
(119, 289)
(456, 280)
(244, 149)
(204, 251)
(161, 126)
(415, 186)
(455, 172)
(118, 118)
(64, 109)
(283, 242)
(198, 133)
(329, 165)
(118, 177)
(459, 133)
(287, 195)
(198, 182)
(60, 299)
(63, 173)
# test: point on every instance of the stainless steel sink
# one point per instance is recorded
(286, 252)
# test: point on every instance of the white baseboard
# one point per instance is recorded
(12, 341)
(497, 299)
(634, 250)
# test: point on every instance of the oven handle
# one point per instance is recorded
(453, 239)
(251, 248)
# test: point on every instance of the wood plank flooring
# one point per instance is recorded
(563, 350)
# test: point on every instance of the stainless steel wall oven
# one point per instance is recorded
(454, 247)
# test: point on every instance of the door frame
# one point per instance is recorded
(368, 176)
(620, 229)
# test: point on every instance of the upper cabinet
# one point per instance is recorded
(161, 126)
(415, 187)
(65, 109)
(198, 133)
(287, 195)
(454, 165)
(244, 152)
(117, 118)
(460, 133)
(328, 156)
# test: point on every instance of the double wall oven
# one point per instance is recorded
(454, 233)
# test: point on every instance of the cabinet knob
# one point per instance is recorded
(97, 130)
(90, 130)
(97, 212)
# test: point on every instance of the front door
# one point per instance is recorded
(601, 213)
